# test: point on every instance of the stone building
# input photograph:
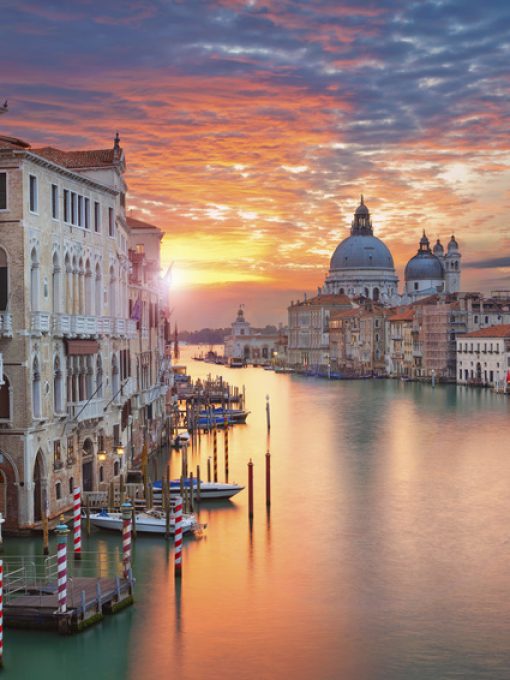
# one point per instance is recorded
(249, 346)
(309, 345)
(483, 357)
(400, 343)
(65, 327)
(430, 272)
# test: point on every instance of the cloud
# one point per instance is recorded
(491, 263)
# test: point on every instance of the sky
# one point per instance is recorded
(251, 127)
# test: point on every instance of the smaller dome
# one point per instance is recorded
(424, 241)
(438, 248)
(424, 267)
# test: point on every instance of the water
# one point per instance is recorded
(385, 556)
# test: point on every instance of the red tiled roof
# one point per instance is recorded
(346, 314)
(405, 315)
(501, 331)
(327, 299)
(140, 224)
(12, 143)
(94, 158)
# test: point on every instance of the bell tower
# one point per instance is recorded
(452, 266)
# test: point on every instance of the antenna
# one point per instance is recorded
(4, 108)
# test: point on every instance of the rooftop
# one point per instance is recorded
(133, 223)
(501, 331)
(92, 158)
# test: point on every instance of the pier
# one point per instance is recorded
(31, 598)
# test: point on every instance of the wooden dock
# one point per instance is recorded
(32, 603)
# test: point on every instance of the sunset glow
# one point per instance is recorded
(251, 128)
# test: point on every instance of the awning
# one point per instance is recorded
(74, 347)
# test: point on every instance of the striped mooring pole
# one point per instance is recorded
(77, 522)
(250, 489)
(215, 454)
(1, 613)
(62, 531)
(178, 537)
(226, 451)
(127, 518)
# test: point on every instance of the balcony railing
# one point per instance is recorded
(39, 323)
(150, 395)
(6, 325)
(83, 410)
(119, 327)
(61, 325)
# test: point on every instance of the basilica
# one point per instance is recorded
(362, 266)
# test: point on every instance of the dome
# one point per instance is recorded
(361, 252)
(362, 208)
(438, 248)
(424, 266)
(452, 245)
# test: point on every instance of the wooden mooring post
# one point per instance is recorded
(250, 489)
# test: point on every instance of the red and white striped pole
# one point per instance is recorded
(1, 613)
(62, 531)
(127, 531)
(178, 536)
(77, 522)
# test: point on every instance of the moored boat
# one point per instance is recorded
(208, 490)
(152, 522)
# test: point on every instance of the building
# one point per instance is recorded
(362, 264)
(430, 272)
(400, 343)
(309, 345)
(483, 357)
(249, 346)
(67, 335)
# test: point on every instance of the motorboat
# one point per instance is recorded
(151, 522)
(208, 490)
(219, 417)
(181, 439)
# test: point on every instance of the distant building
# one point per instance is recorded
(250, 346)
(483, 357)
(430, 272)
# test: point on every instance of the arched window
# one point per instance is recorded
(71, 485)
(342, 292)
(112, 292)
(115, 378)
(88, 289)
(34, 280)
(89, 378)
(36, 389)
(55, 284)
(99, 377)
(375, 295)
(4, 281)
(81, 287)
(69, 285)
(101, 473)
(116, 468)
(5, 400)
(58, 405)
(99, 306)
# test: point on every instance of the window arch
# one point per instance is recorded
(4, 281)
(56, 284)
(34, 280)
(58, 405)
(112, 291)
(88, 289)
(99, 307)
(36, 389)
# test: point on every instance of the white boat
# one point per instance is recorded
(145, 522)
(208, 490)
(181, 439)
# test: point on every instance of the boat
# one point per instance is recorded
(181, 439)
(236, 362)
(209, 421)
(232, 415)
(152, 522)
(208, 490)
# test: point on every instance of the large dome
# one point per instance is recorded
(361, 252)
(424, 267)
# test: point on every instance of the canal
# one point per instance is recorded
(385, 556)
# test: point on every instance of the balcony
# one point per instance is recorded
(83, 410)
(119, 327)
(39, 323)
(5, 325)
(150, 395)
(61, 325)
(129, 387)
(131, 329)
(104, 325)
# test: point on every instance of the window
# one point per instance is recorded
(4, 288)
(87, 214)
(71, 485)
(111, 226)
(66, 206)
(3, 191)
(97, 217)
(80, 211)
(416, 284)
(58, 491)
(73, 208)
(54, 201)
(33, 193)
(57, 454)
(116, 468)
(5, 400)
(101, 474)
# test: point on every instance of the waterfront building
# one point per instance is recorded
(250, 346)
(483, 357)
(67, 336)
(309, 345)
(357, 339)
(400, 342)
